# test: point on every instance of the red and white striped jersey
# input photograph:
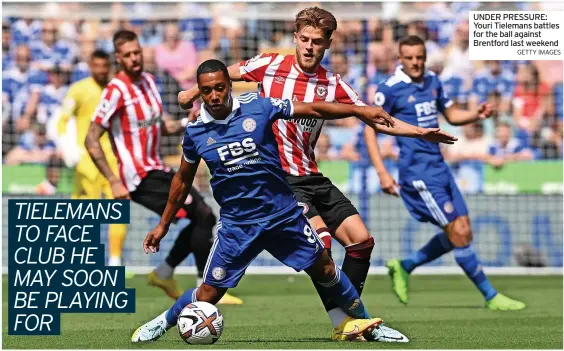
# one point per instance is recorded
(132, 114)
(281, 77)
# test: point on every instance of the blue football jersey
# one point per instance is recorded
(419, 105)
(242, 155)
(50, 102)
(454, 87)
(61, 53)
(485, 83)
(17, 85)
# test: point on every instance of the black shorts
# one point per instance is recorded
(153, 191)
(321, 198)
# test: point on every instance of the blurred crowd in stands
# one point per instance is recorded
(41, 58)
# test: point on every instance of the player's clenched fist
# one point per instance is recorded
(153, 239)
(485, 110)
(119, 191)
(186, 99)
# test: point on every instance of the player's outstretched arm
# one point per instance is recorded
(186, 98)
(94, 148)
(434, 135)
(387, 182)
(179, 190)
(371, 115)
(458, 117)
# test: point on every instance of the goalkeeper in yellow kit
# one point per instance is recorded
(78, 108)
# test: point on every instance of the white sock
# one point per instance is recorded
(337, 316)
(199, 282)
(163, 318)
(114, 261)
(164, 271)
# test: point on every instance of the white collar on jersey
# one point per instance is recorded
(207, 118)
(400, 74)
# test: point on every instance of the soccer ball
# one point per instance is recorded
(200, 323)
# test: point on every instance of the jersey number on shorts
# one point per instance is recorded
(310, 234)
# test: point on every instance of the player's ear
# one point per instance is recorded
(329, 42)
(295, 37)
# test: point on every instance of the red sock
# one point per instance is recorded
(361, 251)
(325, 236)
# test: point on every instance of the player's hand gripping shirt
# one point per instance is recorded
(281, 77)
(242, 156)
(419, 105)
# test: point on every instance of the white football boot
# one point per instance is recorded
(152, 330)
(383, 333)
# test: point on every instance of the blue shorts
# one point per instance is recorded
(434, 200)
(288, 237)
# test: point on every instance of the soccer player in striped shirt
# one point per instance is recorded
(259, 211)
(131, 111)
(301, 77)
(426, 185)
(77, 109)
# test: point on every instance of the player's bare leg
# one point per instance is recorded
(358, 244)
(157, 327)
(353, 235)
(459, 233)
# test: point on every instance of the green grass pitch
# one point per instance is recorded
(284, 312)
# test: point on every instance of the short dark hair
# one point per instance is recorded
(411, 40)
(211, 66)
(55, 162)
(101, 54)
(123, 36)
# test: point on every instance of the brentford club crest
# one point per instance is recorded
(321, 91)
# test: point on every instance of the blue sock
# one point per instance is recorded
(343, 293)
(435, 248)
(187, 298)
(467, 260)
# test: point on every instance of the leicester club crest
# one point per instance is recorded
(249, 125)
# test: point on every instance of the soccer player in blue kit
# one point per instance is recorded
(426, 184)
(258, 208)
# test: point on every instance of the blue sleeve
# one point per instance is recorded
(49, 145)
(5, 85)
(384, 97)
(519, 148)
(443, 100)
(492, 150)
(189, 149)
(38, 80)
(508, 88)
(36, 53)
(277, 108)
(68, 55)
(18, 38)
(474, 90)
